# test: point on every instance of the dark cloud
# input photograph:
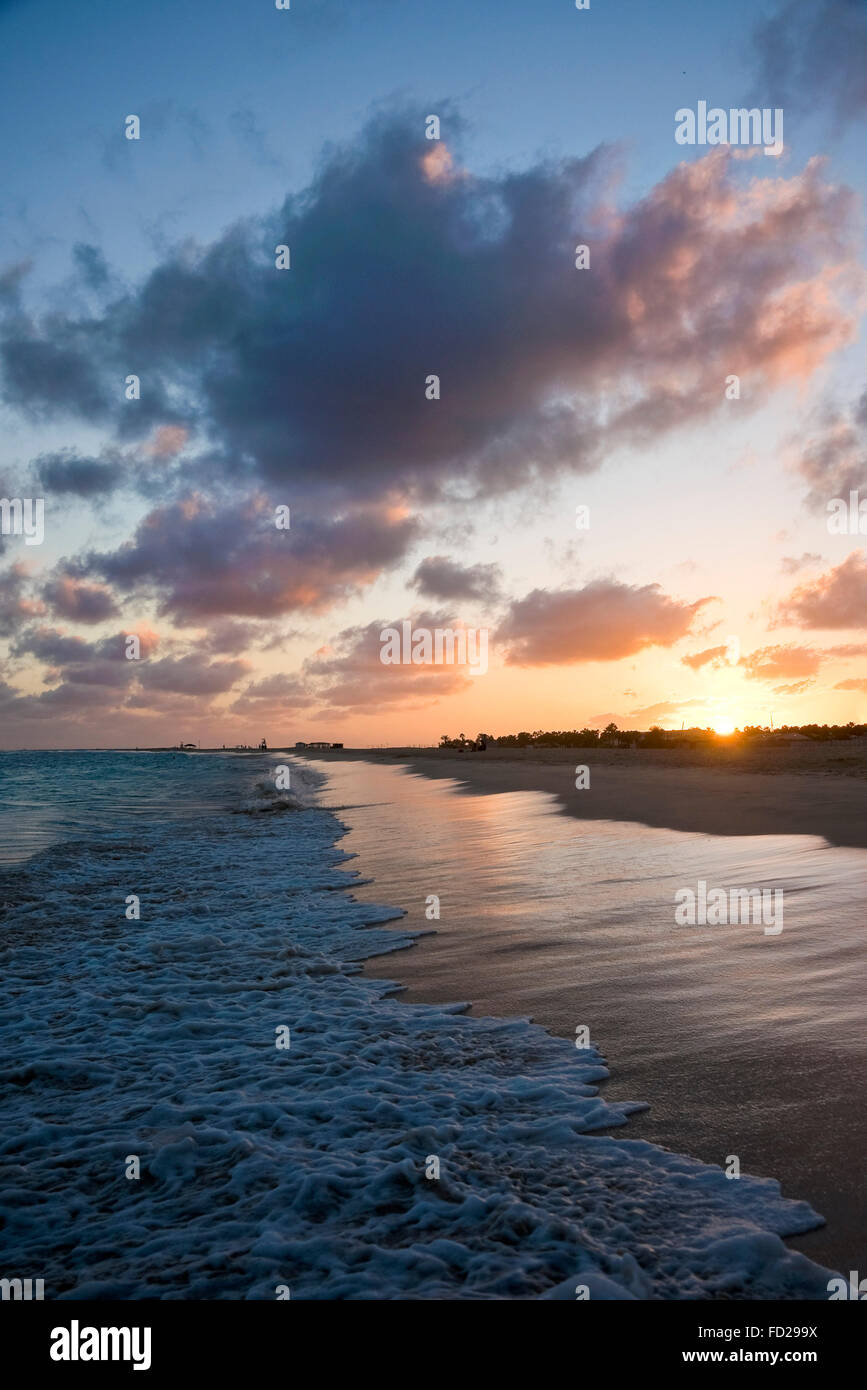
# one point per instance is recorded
(604, 621)
(201, 561)
(11, 283)
(94, 678)
(49, 372)
(191, 675)
(17, 605)
(66, 701)
(428, 269)
(74, 661)
(833, 457)
(69, 473)
(443, 579)
(273, 696)
(227, 637)
(812, 51)
(78, 601)
(91, 265)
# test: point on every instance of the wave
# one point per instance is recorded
(389, 1151)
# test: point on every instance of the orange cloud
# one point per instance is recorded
(837, 599)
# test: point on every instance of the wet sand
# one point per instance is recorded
(817, 789)
(742, 1043)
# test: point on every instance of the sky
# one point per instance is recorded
(635, 470)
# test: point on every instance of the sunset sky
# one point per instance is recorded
(706, 589)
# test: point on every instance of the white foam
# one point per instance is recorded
(306, 1167)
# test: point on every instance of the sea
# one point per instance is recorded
(215, 1086)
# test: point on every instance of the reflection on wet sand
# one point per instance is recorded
(743, 1042)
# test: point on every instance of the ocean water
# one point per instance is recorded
(392, 1150)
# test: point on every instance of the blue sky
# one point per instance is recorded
(240, 99)
(242, 105)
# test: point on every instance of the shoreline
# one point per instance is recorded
(503, 970)
(820, 791)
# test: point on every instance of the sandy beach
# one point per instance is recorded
(803, 789)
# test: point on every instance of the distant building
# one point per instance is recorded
(320, 744)
(337, 745)
(299, 744)
(263, 747)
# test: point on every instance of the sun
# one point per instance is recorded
(723, 725)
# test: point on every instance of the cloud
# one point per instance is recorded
(846, 650)
(191, 675)
(444, 580)
(91, 266)
(204, 561)
(791, 564)
(714, 656)
(97, 679)
(16, 604)
(857, 683)
(228, 637)
(272, 697)
(663, 708)
(647, 713)
(251, 399)
(168, 441)
(775, 663)
(47, 376)
(542, 367)
(68, 473)
(796, 688)
(604, 621)
(78, 601)
(836, 599)
(833, 459)
(351, 674)
(75, 661)
(812, 51)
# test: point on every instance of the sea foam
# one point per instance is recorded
(306, 1168)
